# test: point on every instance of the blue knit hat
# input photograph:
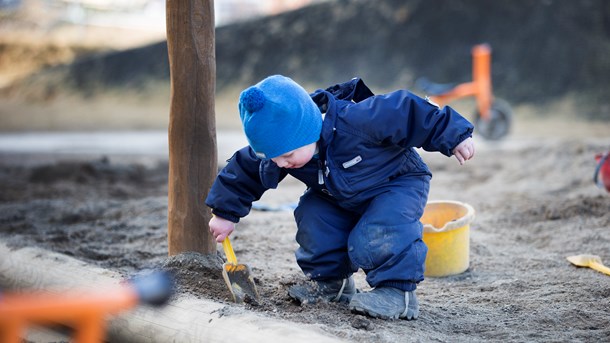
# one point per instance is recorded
(278, 116)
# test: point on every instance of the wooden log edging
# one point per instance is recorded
(183, 320)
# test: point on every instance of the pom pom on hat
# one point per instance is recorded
(278, 116)
(253, 99)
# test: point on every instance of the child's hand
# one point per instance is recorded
(221, 228)
(464, 151)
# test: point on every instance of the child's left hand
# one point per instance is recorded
(464, 151)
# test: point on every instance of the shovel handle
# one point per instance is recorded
(600, 268)
(226, 245)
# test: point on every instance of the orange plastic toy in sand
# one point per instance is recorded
(86, 314)
(493, 116)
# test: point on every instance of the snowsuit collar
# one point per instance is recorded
(354, 90)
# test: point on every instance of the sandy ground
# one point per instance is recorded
(533, 195)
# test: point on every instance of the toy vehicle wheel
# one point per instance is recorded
(499, 121)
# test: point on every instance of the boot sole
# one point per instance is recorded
(379, 315)
(371, 313)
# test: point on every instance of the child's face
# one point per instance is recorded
(296, 158)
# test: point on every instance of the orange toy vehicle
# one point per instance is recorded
(493, 116)
(84, 313)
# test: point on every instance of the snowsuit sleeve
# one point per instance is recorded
(242, 181)
(402, 118)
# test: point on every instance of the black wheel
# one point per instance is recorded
(499, 122)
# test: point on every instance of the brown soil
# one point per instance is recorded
(535, 204)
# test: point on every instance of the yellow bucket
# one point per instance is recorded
(447, 235)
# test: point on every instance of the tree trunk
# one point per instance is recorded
(192, 126)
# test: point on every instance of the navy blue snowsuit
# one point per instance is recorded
(367, 186)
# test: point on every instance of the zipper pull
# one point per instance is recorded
(320, 173)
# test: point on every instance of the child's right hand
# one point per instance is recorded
(221, 228)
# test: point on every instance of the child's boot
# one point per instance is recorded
(386, 303)
(313, 291)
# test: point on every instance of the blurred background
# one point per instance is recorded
(102, 65)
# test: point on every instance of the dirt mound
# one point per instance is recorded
(543, 50)
(110, 72)
(20, 58)
(198, 274)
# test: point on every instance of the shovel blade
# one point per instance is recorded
(584, 260)
(240, 282)
(591, 261)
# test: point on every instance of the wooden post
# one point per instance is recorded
(192, 126)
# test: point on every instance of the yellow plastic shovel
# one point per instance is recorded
(591, 261)
(238, 276)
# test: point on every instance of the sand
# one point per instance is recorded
(535, 204)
